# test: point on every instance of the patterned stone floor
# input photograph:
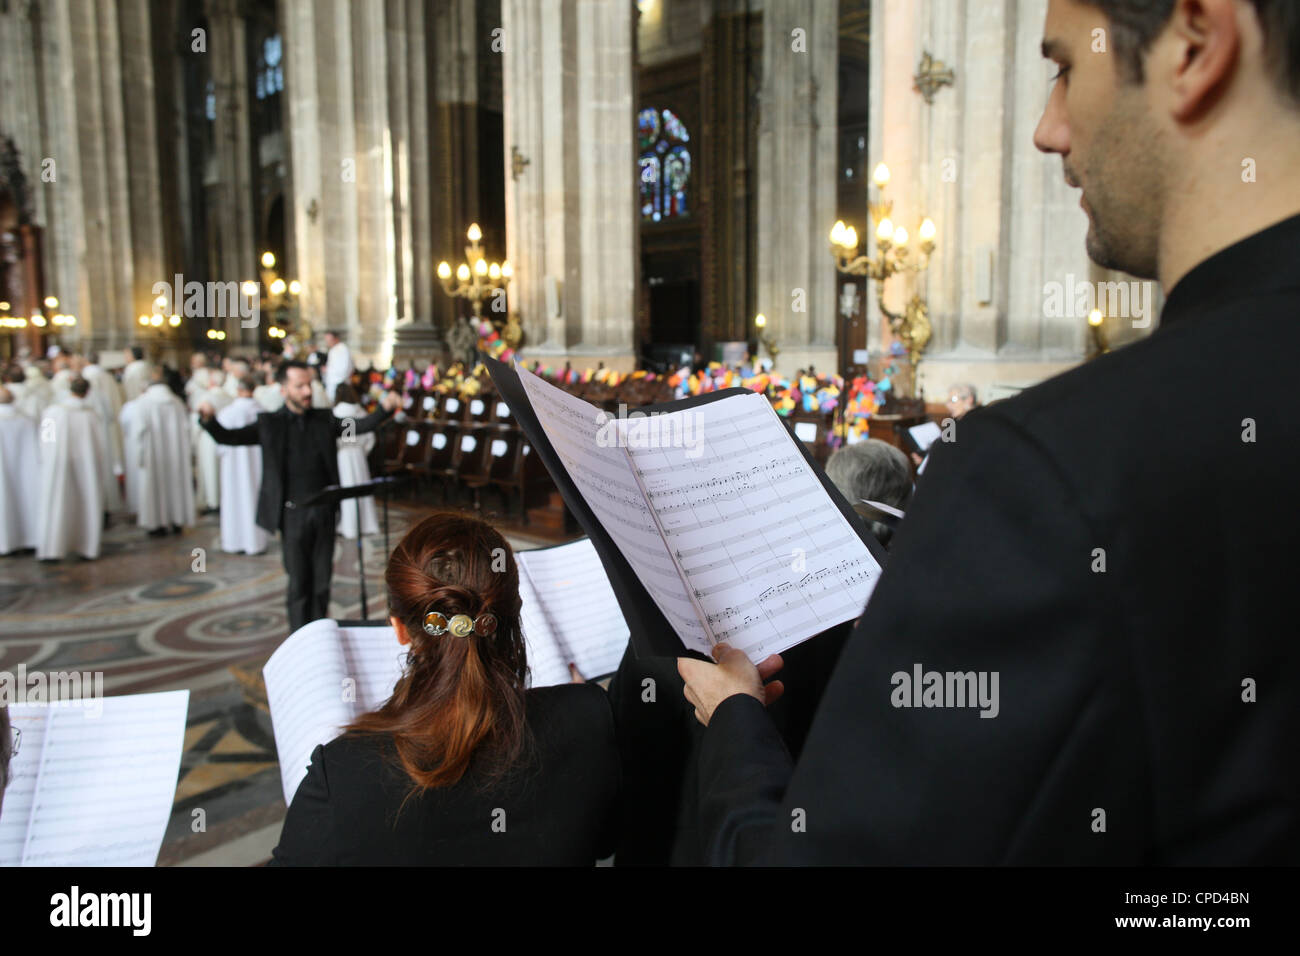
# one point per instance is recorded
(177, 612)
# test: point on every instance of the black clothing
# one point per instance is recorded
(317, 429)
(307, 550)
(659, 742)
(557, 808)
(299, 458)
(1117, 544)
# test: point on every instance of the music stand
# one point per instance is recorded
(331, 495)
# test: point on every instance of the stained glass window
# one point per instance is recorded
(270, 69)
(664, 166)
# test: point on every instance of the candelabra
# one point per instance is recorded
(769, 343)
(478, 280)
(281, 300)
(1100, 343)
(893, 256)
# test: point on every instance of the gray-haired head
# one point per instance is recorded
(873, 470)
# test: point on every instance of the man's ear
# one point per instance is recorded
(1207, 46)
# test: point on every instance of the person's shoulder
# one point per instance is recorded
(353, 757)
(585, 706)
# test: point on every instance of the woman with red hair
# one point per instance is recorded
(462, 765)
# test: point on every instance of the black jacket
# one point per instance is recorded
(558, 808)
(269, 432)
(1118, 546)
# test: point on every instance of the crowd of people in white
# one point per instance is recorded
(80, 444)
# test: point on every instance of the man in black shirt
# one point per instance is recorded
(299, 458)
(1083, 649)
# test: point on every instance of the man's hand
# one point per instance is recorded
(206, 411)
(391, 401)
(708, 685)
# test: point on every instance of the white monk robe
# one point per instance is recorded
(241, 479)
(106, 396)
(37, 393)
(354, 470)
(71, 483)
(135, 379)
(269, 397)
(207, 469)
(319, 399)
(200, 381)
(20, 498)
(60, 382)
(159, 475)
(338, 368)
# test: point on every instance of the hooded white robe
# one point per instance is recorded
(159, 476)
(269, 397)
(37, 393)
(71, 484)
(135, 379)
(20, 462)
(354, 470)
(207, 469)
(241, 479)
(106, 397)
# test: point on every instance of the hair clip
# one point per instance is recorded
(460, 625)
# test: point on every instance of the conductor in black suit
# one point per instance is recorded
(1116, 546)
(299, 458)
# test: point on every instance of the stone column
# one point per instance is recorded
(141, 142)
(1007, 223)
(237, 259)
(376, 242)
(796, 180)
(571, 213)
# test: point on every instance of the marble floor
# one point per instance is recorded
(174, 612)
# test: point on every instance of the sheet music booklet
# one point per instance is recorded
(93, 782)
(712, 521)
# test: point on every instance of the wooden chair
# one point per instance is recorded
(472, 469)
(439, 459)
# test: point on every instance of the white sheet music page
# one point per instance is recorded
(769, 558)
(539, 643)
(30, 720)
(583, 620)
(603, 475)
(321, 679)
(305, 691)
(93, 789)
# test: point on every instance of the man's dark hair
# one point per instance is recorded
(1134, 25)
(137, 353)
(248, 383)
(79, 387)
(282, 371)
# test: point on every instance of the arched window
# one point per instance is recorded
(665, 165)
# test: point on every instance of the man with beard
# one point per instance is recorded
(1118, 587)
(298, 460)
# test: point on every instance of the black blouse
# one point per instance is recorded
(557, 807)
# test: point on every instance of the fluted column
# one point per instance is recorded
(571, 212)
(237, 257)
(374, 182)
(796, 180)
